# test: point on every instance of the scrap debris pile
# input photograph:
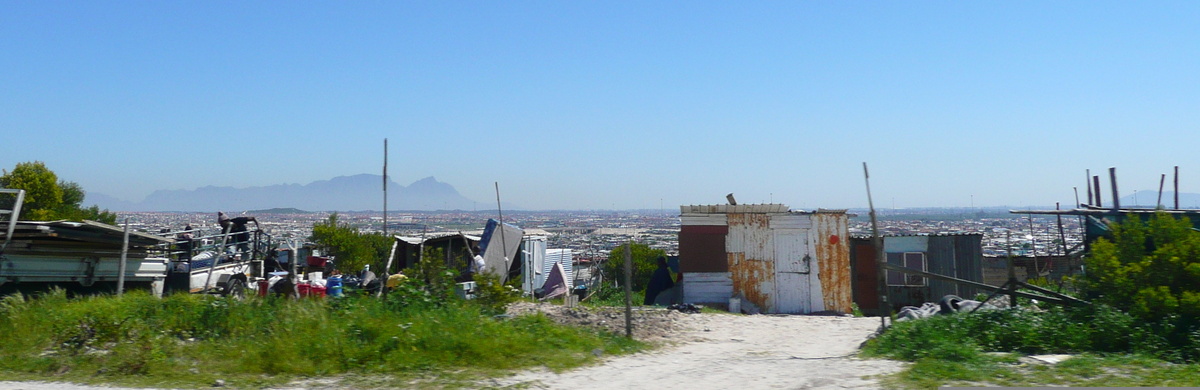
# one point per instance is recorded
(950, 304)
(649, 324)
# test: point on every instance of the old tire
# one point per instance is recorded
(236, 289)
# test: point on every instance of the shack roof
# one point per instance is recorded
(434, 237)
(86, 231)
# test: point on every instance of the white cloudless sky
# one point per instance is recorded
(603, 104)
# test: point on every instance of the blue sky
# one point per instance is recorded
(597, 105)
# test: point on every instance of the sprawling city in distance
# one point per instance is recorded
(599, 194)
(591, 235)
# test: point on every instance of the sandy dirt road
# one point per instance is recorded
(706, 351)
(743, 352)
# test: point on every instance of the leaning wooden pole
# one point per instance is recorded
(124, 256)
(1112, 178)
(629, 289)
(1096, 183)
(503, 273)
(880, 260)
(1161, 182)
(387, 267)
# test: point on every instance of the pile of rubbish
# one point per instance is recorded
(948, 305)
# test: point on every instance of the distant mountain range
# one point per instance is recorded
(343, 193)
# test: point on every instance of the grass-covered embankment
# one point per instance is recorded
(1112, 348)
(192, 341)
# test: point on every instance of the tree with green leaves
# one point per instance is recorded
(47, 198)
(644, 264)
(1150, 269)
(351, 248)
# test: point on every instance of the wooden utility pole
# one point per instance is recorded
(124, 255)
(629, 289)
(880, 259)
(385, 183)
(1112, 177)
(1161, 182)
(503, 273)
(1089, 186)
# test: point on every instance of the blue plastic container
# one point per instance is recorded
(334, 286)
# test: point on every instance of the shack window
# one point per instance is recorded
(913, 260)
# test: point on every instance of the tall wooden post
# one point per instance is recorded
(124, 255)
(629, 289)
(1096, 183)
(1177, 187)
(880, 256)
(1161, 182)
(1089, 186)
(385, 183)
(1112, 177)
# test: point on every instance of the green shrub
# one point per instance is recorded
(645, 261)
(189, 340)
(493, 296)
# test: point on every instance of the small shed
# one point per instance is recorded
(780, 260)
(536, 261)
(955, 255)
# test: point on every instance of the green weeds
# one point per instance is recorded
(1112, 348)
(191, 340)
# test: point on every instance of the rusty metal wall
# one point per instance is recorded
(832, 247)
(751, 259)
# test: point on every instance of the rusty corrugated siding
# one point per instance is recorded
(833, 261)
(753, 279)
(751, 258)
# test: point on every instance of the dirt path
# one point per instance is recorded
(727, 351)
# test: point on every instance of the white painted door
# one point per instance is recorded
(792, 271)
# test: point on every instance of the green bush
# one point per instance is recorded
(645, 261)
(189, 340)
(492, 296)
(351, 248)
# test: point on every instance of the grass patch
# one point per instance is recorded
(1086, 370)
(192, 340)
(960, 350)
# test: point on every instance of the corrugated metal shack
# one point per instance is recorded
(954, 255)
(780, 260)
(454, 246)
(79, 257)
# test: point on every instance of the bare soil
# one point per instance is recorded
(720, 351)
